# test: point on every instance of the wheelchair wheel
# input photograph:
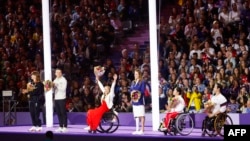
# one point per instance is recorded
(208, 127)
(109, 123)
(184, 124)
(220, 121)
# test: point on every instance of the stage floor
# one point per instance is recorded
(77, 133)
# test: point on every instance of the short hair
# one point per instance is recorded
(178, 89)
(59, 68)
(219, 86)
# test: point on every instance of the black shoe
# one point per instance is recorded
(90, 131)
(94, 132)
(165, 132)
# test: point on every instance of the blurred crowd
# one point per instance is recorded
(201, 42)
(82, 35)
(204, 42)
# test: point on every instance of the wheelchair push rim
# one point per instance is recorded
(184, 124)
(220, 121)
(109, 123)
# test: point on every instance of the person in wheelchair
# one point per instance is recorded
(94, 116)
(175, 107)
(213, 107)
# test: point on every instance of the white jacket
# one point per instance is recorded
(109, 98)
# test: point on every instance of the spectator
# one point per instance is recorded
(195, 97)
(233, 106)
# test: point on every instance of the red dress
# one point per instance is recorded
(94, 116)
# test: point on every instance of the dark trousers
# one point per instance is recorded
(60, 107)
(34, 108)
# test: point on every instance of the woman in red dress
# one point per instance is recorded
(94, 115)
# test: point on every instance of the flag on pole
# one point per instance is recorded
(147, 90)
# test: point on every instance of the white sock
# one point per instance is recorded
(137, 124)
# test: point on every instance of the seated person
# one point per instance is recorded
(175, 107)
(94, 116)
(217, 104)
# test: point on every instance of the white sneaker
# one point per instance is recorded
(38, 129)
(135, 132)
(87, 128)
(140, 132)
(33, 128)
(59, 129)
(64, 129)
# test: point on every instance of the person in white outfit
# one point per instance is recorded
(60, 86)
(218, 105)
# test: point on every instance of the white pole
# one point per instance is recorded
(47, 61)
(154, 64)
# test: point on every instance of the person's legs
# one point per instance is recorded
(204, 123)
(32, 115)
(139, 114)
(38, 122)
(32, 110)
(169, 116)
(63, 114)
(137, 123)
(57, 108)
(142, 120)
(44, 113)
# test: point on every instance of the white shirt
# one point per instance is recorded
(195, 51)
(225, 17)
(109, 98)
(60, 86)
(180, 106)
(218, 100)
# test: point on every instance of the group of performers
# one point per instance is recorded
(137, 89)
(36, 89)
(216, 105)
(36, 92)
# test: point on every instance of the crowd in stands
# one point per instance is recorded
(82, 34)
(204, 42)
(201, 43)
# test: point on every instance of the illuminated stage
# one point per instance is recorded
(76, 121)
(77, 133)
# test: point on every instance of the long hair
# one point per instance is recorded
(140, 74)
(37, 75)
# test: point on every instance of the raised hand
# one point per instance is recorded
(115, 76)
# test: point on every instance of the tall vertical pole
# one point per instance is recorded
(47, 61)
(154, 64)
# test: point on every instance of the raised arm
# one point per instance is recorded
(112, 89)
(100, 84)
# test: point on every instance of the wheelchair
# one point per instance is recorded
(109, 122)
(215, 125)
(182, 124)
